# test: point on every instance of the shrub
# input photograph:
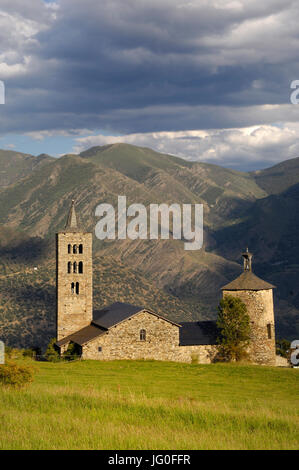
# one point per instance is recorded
(28, 353)
(16, 353)
(8, 351)
(51, 354)
(16, 376)
(283, 347)
(72, 352)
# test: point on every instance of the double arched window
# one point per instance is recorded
(75, 249)
(75, 288)
(75, 267)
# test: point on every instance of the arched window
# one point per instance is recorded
(69, 248)
(77, 288)
(72, 287)
(142, 335)
(81, 249)
(69, 267)
(75, 267)
(80, 267)
(75, 249)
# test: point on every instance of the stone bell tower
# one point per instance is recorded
(257, 295)
(73, 277)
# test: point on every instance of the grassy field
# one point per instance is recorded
(152, 405)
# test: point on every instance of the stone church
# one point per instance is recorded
(125, 331)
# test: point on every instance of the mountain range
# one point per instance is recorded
(257, 209)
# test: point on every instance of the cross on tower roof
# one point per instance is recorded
(247, 260)
(247, 280)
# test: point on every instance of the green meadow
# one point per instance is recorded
(152, 405)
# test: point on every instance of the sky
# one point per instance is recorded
(207, 80)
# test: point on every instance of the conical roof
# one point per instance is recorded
(72, 224)
(248, 281)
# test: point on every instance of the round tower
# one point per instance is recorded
(257, 295)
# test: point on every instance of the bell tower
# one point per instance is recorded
(73, 277)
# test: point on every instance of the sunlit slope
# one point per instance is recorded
(16, 165)
(238, 212)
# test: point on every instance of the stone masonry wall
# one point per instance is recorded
(73, 311)
(162, 342)
(260, 309)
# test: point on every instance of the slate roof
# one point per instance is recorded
(105, 319)
(198, 333)
(82, 336)
(248, 281)
(118, 312)
(112, 314)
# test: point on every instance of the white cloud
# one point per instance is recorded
(10, 146)
(236, 147)
(19, 25)
(41, 135)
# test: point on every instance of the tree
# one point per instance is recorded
(51, 353)
(234, 325)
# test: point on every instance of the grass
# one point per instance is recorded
(152, 405)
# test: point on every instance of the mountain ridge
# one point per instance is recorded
(240, 209)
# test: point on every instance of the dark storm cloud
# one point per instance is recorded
(132, 54)
(137, 66)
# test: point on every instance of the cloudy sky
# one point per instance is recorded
(207, 80)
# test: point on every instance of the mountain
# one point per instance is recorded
(279, 177)
(16, 165)
(240, 209)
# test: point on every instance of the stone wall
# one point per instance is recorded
(74, 311)
(260, 309)
(162, 342)
(203, 354)
(282, 362)
(123, 340)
